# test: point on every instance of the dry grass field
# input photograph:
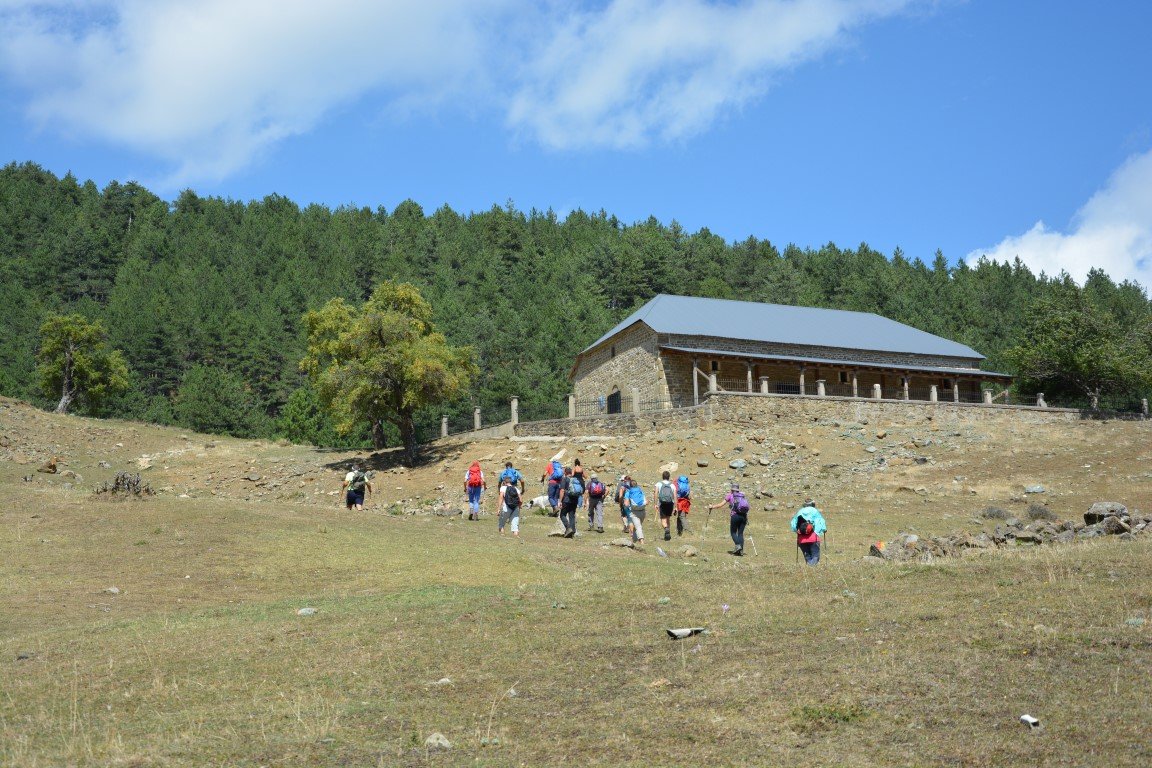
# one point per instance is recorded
(546, 651)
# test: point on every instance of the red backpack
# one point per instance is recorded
(474, 477)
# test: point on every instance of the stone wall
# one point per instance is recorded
(794, 410)
(617, 424)
(631, 359)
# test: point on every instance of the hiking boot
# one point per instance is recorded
(739, 552)
(599, 530)
(667, 535)
(569, 533)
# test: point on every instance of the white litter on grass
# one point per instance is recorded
(1030, 721)
(684, 632)
(443, 681)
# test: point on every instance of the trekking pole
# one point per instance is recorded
(752, 541)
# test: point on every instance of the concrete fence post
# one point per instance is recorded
(876, 391)
(476, 418)
(635, 400)
(802, 380)
(713, 386)
(933, 395)
(904, 386)
(987, 397)
(443, 426)
(820, 391)
(855, 385)
(695, 381)
(571, 406)
(1040, 400)
(955, 391)
(763, 385)
(515, 419)
(1144, 407)
(749, 376)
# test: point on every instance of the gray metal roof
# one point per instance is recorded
(841, 363)
(808, 326)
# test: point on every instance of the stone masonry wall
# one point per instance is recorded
(636, 363)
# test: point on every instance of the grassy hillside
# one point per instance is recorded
(554, 650)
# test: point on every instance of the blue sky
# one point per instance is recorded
(1000, 127)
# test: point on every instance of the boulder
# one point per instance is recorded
(1114, 526)
(1102, 509)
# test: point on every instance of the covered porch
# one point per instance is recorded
(693, 373)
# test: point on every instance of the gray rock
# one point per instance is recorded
(701, 463)
(687, 550)
(112, 591)
(871, 449)
(1114, 526)
(1034, 489)
(437, 741)
(737, 464)
(623, 541)
(765, 461)
(1102, 509)
(308, 611)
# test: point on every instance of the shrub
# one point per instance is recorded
(994, 513)
(1040, 512)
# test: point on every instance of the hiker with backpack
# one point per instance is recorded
(552, 475)
(809, 526)
(578, 471)
(666, 497)
(474, 485)
(511, 473)
(571, 491)
(509, 506)
(596, 493)
(636, 502)
(355, 484)
(738, 507)
(683, 503)
(620, 496)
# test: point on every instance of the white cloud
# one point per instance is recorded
(644, 70)
(1112, 231)
(206, 85)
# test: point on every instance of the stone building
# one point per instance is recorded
(674, 350)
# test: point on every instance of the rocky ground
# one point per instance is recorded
(872, 480)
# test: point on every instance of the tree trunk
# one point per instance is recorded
(68, 388)
(408, 436)
(378, 438)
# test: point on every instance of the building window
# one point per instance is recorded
(843, 377)
(715, 366)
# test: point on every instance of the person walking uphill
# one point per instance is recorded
(571, 491)
(509, 506)
(666, 497)
(355, 483)
(474, 485)
(738, 508)
(511, 473)
(596, 493)
(552, 475)
(635, 503)
(809, 526)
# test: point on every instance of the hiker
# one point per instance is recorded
(510, 472)
(738, 507)
(596, 493)
(683, 503)
(355, 484)
(553, 474)
(666, 498)
(578, 471)
(636, 502)
(474, 485)
(509, 506)
(622, 484)
(571, 491)
(809, 526)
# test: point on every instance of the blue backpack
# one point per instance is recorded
(682, 489)
(510, 473)
(575, 488)
(557, 470)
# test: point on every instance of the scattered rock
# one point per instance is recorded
(881, 434)
(308, 611)
(437, 741)
(870, 449)
(112, 591)
(623, 541)
(443, 681)
(701, 463)
(1102, 509)
(1034, 489)
(737, 464)
(687, 550)
(49, 467)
